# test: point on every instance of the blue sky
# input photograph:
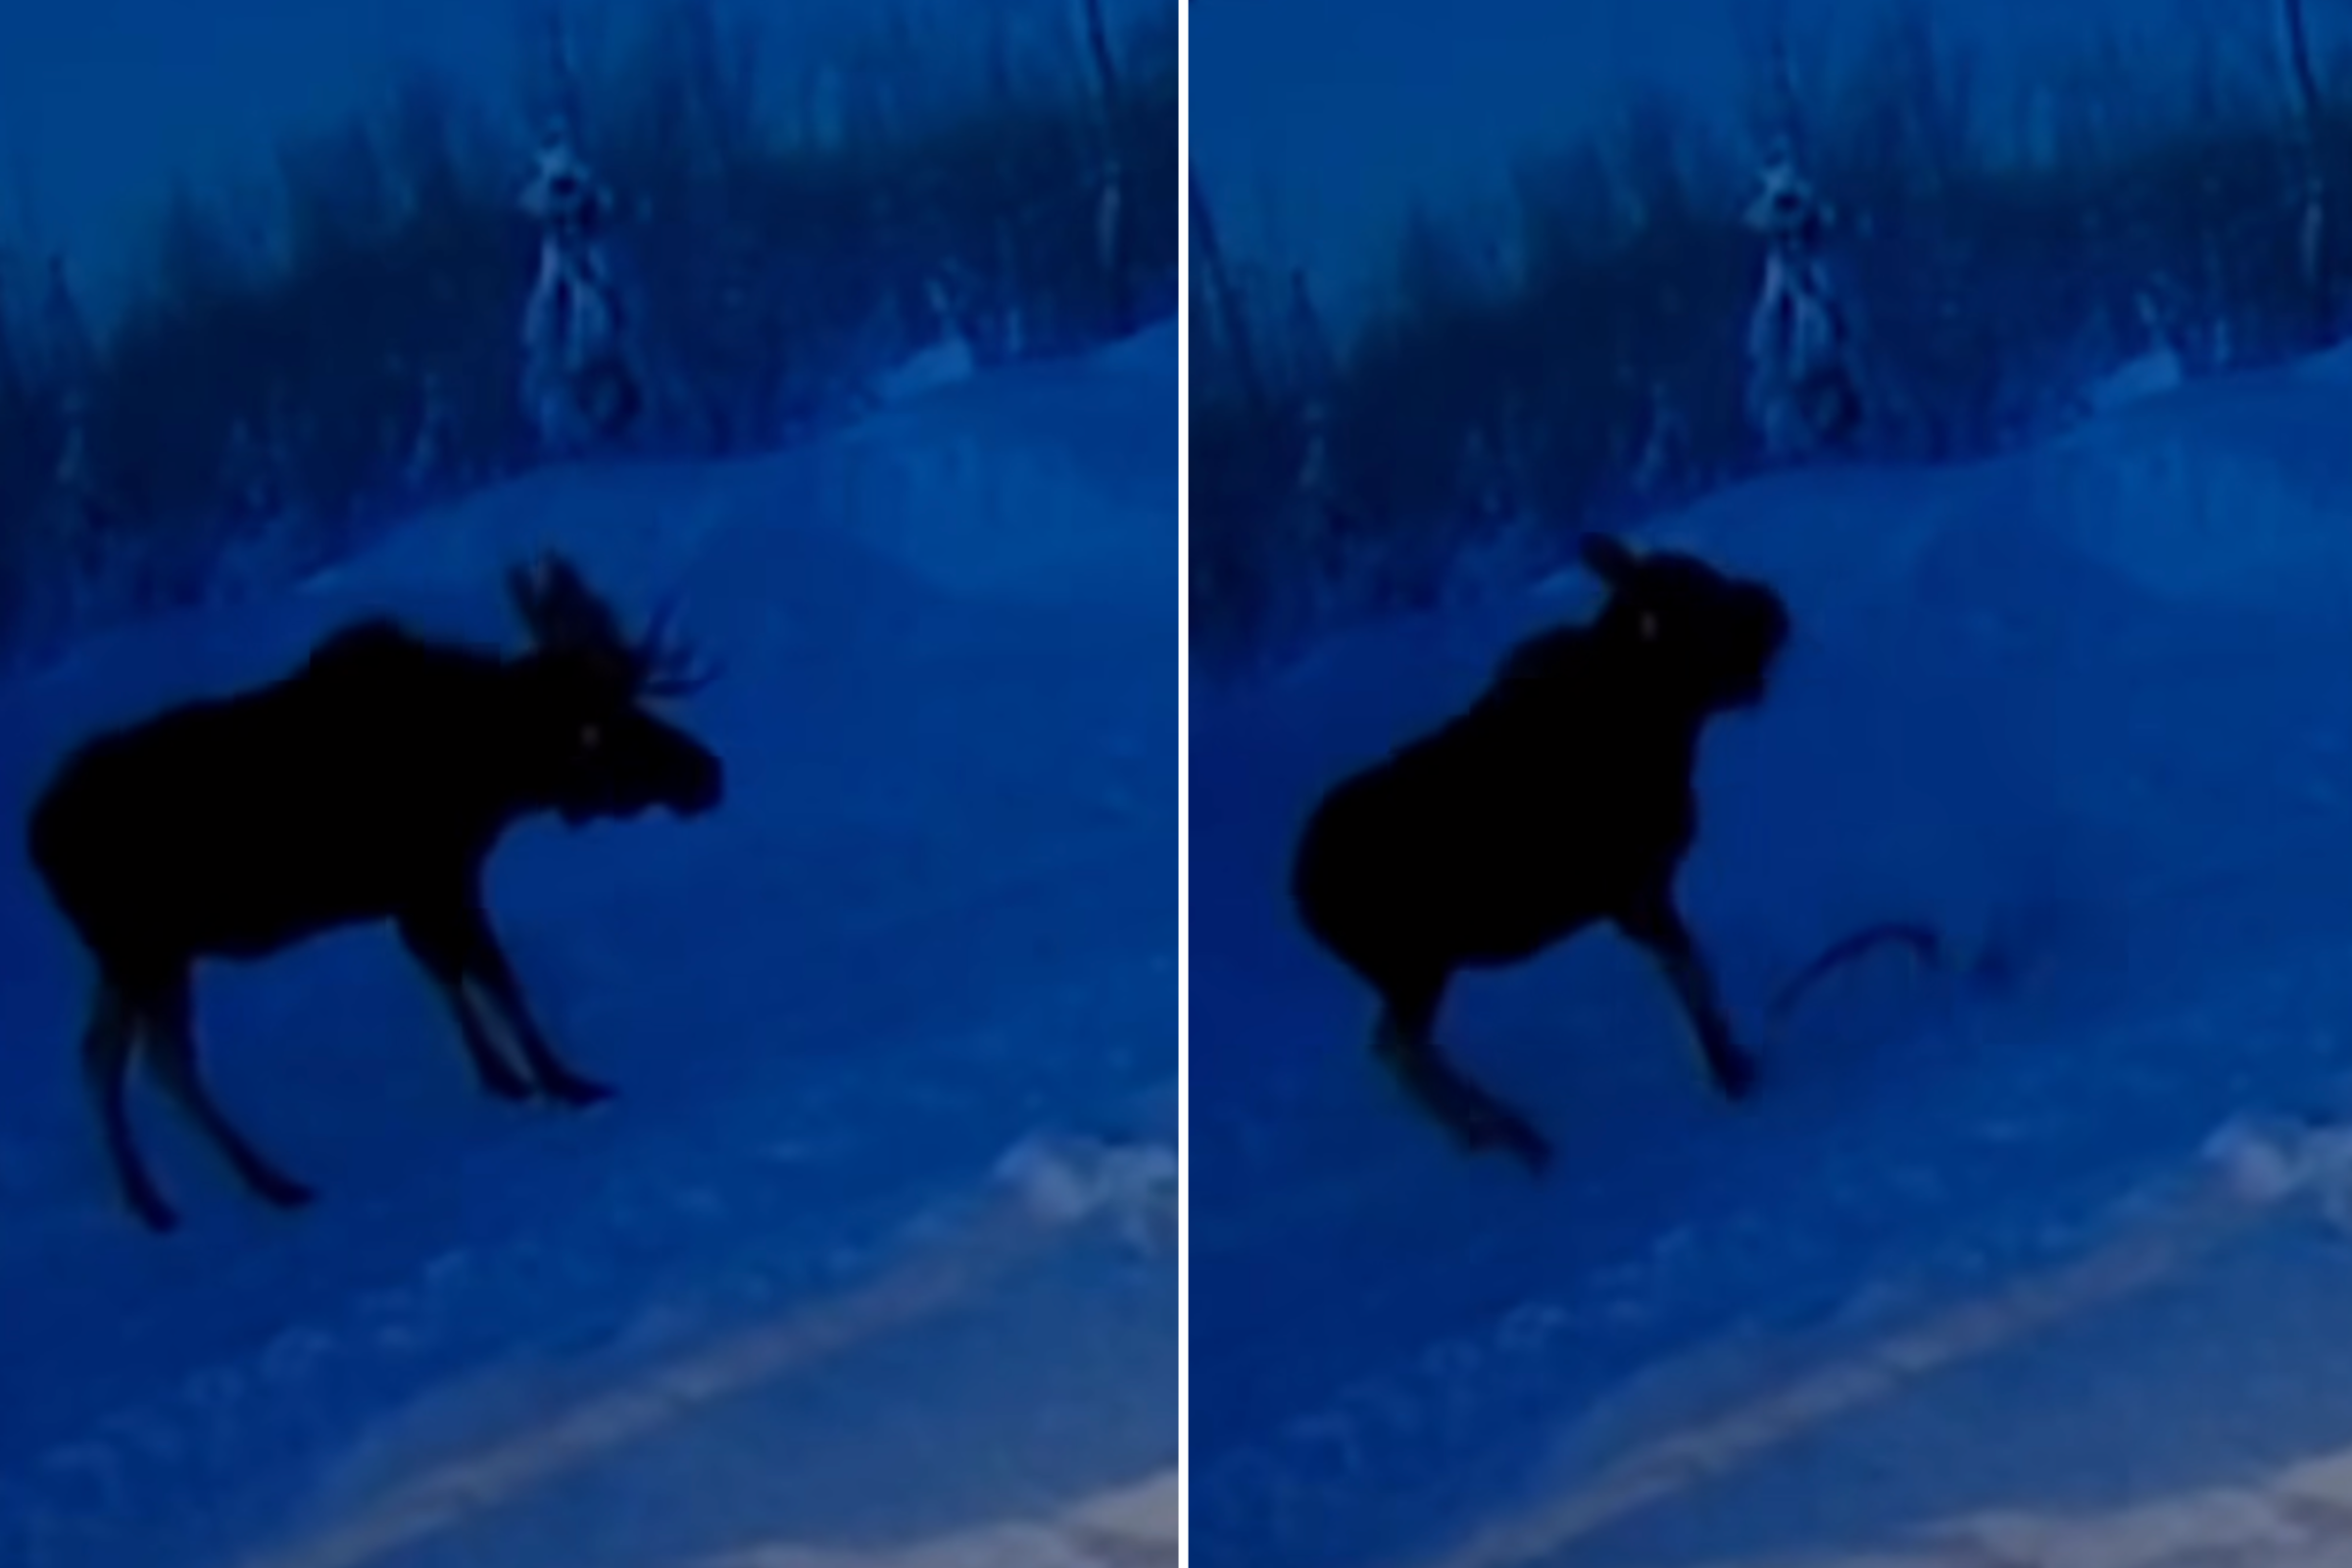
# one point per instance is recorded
(102, 102)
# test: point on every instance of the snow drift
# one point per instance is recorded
(930, 935)
(2086, 709)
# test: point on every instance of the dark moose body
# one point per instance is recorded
(372, 784)
(1564, 797)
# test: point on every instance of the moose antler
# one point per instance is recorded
(562, 613)
(668, 667)
(560, 610)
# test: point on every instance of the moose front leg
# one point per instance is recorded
(486, 961)
(438, 947)
(1655, 924)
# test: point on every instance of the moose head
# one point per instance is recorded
(1708, 637)
(596, 746)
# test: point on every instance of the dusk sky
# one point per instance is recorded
(1316, 122)
(104, 102)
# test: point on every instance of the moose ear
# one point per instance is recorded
(526, 592)
(1608, 557)
(519, 591)
(557, 605)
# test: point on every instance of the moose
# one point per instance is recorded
(1562, 797)
(369, 785)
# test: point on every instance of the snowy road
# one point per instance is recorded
(2177, 1396)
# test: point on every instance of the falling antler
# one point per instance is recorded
(565, 615)
(1921, 940)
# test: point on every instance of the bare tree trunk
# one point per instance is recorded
(23, 443)
(1313, 364)
(2314, 247)
(1106, 64)
(1114, 223)
(1775, 109)
(1232, 327)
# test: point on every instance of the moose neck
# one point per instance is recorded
(1657, 701)
(522, 769)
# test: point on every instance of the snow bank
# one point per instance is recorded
(932, 924)
(2083, 709)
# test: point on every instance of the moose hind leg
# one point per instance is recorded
(106, 1045)
(1477, 1118)
(172, 1056)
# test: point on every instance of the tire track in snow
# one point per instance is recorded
(2250, 1171)
(454, 1493)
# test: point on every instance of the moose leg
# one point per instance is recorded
(106, 1045)
(1477, 1119)
(172, 1054)
(487, 963)
(1656, 926)
(443, 958)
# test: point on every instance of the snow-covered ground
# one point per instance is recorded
(2017, 1261)
(871, 1260)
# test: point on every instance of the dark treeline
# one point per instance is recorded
(1581, 358)
(305, 359)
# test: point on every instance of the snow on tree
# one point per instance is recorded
(1110, 238)
(1803, 393)
(71, 355)
(264, 545)
(1482, 487)
(75, 473)
(579, 387)
(949, 358)
(267, 503)
(427, 466)
(1662, 468)
(1114, 235)
(1313, 481)
(1311, 367)
(1012, 327)
(246, 483)
(70, 368)
(63, 567)
(257, 466)
(82, 516)
(2311, 120)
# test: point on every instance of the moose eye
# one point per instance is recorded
(1647, 626)
(592, 736)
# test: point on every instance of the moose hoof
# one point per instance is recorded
(1735, 1074)
(511, 1089)
(157, 1218)
(1523, 1144)
(1509, 1133)
(576, 1092)
(288, 1194)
